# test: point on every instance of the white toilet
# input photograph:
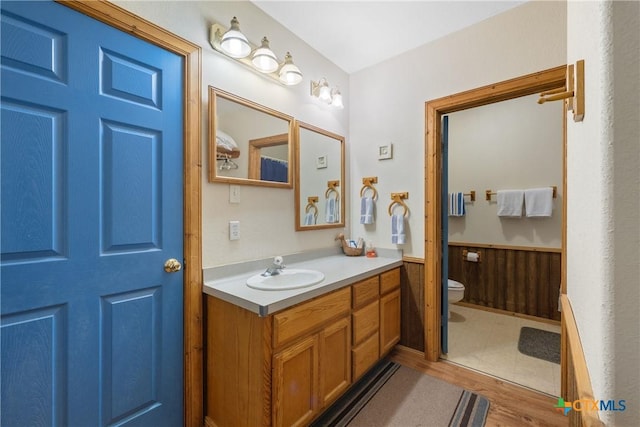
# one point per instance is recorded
(455, 294)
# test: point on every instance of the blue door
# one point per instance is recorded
(444, 333)
(91, 205)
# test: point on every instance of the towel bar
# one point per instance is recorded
(489, 193)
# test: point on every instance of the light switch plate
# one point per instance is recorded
(234, 194)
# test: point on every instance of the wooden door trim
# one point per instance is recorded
(126, 21)
(526, 85)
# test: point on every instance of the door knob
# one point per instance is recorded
(172, 265)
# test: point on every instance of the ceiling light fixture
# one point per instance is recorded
(324, 93)
(234, 44)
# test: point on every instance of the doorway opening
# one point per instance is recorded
(436, 245)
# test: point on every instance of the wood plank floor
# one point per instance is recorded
(511, 405)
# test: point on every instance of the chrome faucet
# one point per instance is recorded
(275, 268)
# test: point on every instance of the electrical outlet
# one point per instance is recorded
(234, 230)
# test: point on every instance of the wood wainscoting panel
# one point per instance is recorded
(576, 382)
(516, 279)
(412, 304)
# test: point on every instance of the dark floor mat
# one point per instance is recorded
(541, 344)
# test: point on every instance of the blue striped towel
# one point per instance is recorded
(366, 210)
(397, 229)
(332, 211)
(309, 219)
(456, 204)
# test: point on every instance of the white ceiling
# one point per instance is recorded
(360, 33)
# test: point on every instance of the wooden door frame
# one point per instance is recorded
(191, 53)
(434, 110)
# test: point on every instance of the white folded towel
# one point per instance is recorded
(366, 210)
(538, 202)
(332, 211)
(397, 229)
(510, 202)
(456, 204)
(309, 219)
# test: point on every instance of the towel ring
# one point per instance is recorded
(397, 198)
(406, 209)
(328, 192)
(314, 207)
(332, 187)
(367, 184)
(368, 187)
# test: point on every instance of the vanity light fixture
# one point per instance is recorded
(289, 73)
(264, 59)
(336, 99)
(234, 44)
(324, 93)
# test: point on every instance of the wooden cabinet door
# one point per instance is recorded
(389, 321)
(296, 383)
(335, 360)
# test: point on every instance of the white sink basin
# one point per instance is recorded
(292, 278)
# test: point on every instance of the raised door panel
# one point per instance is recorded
(389, 321)
(335, 360)
(296, 383)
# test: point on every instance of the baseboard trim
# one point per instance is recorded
(508, 313)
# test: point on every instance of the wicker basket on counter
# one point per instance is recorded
(348, 250)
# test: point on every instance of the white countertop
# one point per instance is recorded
(228, 283)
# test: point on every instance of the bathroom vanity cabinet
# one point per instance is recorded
(284, 369)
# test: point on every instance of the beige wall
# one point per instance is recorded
(266, 215)
(514, 144)
(387, 102)
(603, 179)
(384, 103)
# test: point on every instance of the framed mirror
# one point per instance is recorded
(249, 143)
(320, 186)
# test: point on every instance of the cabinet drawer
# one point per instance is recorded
(365, 355)
(310, 315)
(365, 291)
(389, 280)
(365, 322)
